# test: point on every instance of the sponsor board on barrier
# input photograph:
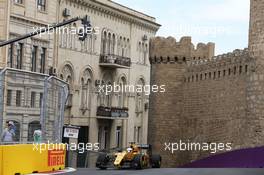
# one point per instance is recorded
(56, 157)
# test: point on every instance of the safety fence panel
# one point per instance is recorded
(31, 105)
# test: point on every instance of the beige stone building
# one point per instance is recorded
(116, 54)
(23, 97)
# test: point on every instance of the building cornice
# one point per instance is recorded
(28, 20)
(119, 13)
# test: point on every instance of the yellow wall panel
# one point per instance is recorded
(25, 159)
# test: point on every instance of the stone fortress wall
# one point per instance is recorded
(208, 99)
(205, 96)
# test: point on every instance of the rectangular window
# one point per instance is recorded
(9, 98)
(19, 1)
(40, 99)
(11, 56)
(41, 5)
(34, 58)
(18, 98)
(118, 137)
(42, 60)
(19, 56)
(137, 134)
(33, 99)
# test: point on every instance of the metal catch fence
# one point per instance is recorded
(30, 102)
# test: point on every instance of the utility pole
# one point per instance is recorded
(85, 21)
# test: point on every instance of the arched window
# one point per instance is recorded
(140, 96)
(104, 41)
(120, 46)
(128, 48)
(67, 75)
(108, 96)
(86, 92)
(33, 126)
(69, 79)
(125, 48)
(109, 44)
(74, 37)
(114, 44)
(139, 51)
(122, 93)
(123, 51)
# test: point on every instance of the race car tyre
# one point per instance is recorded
(156, 161)
(101, 162)
(138, 162)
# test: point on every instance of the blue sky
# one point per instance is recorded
(224, 22)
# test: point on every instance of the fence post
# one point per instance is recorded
(2, 94)
(64, 94)
(44, 108)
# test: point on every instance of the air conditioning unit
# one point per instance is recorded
(52, 71)
(66, 12)
(145, 38)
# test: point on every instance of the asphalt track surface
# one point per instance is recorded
(171, 172)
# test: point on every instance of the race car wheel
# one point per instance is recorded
(101, 162)
(156, 161)
(138, 162)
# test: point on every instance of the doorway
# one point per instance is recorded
(83, 139)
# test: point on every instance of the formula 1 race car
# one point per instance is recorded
(135, 157)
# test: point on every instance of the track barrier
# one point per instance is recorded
(26, 159)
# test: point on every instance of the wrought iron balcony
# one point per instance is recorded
(115, 61)
(112, 112)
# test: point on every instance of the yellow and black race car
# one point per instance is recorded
(135, 157)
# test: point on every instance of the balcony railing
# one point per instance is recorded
(112, 112)
(115, 61)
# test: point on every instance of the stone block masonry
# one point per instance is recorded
(208, 99)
